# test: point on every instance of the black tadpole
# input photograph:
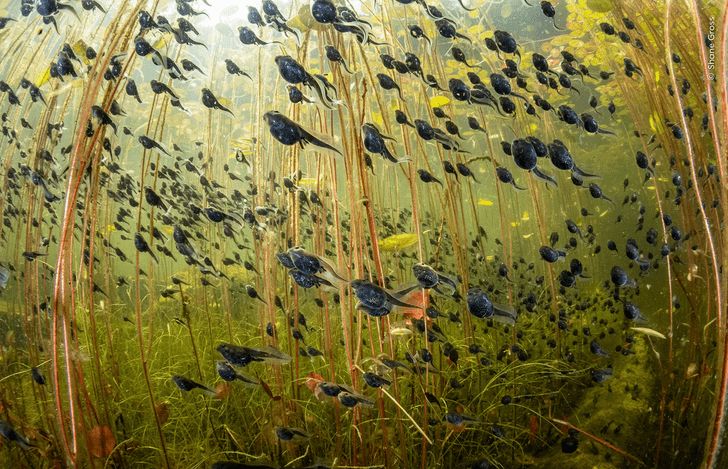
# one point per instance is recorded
(465, 171)
(210, 101)
(142, 246)
(427, 177)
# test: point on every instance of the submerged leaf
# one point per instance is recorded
(601, 6)
(79, 48)
(313, 380)
(162, 412)
(439, 101)
(399, 241)
(223, 390)
(43, 77)
(304, 20)
(416, 298)
(101, 441)
(267, 390)
(650, 332)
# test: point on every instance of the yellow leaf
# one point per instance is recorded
(310, 181)
(43, 77)
(377, 118)
(525, 217)
(398, 241)
(239, 142)
(487, 203)
(437, 101)
(162, 41)
(560, 41)
(225, 102)
(79, 48)
(601, 6)
(304, 20)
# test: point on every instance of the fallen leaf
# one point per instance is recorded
(398, 241)
(649, 332)
(532, 429)
(564, 428)
(313, 380)
(162, 412)
(267, 390)
(416, 299)
(223, 390)
(101, 441)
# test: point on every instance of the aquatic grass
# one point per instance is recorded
(720, 291)
(167, 348)
(61, 285)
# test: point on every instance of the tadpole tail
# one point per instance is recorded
(504, 314)
(160, 148)
(396, 302)
(582, 175)
(97, 5)
(314, 84)
(464, 7)
(308, 138)
(69, 7)
(223, 108)
(462, 36)
(548, 179)
(519, 96)
(556, 27)
(606, 132)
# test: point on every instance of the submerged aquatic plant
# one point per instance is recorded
(366, 316)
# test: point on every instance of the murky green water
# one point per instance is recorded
(545, 258)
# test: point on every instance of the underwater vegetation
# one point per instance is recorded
(379, 234)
